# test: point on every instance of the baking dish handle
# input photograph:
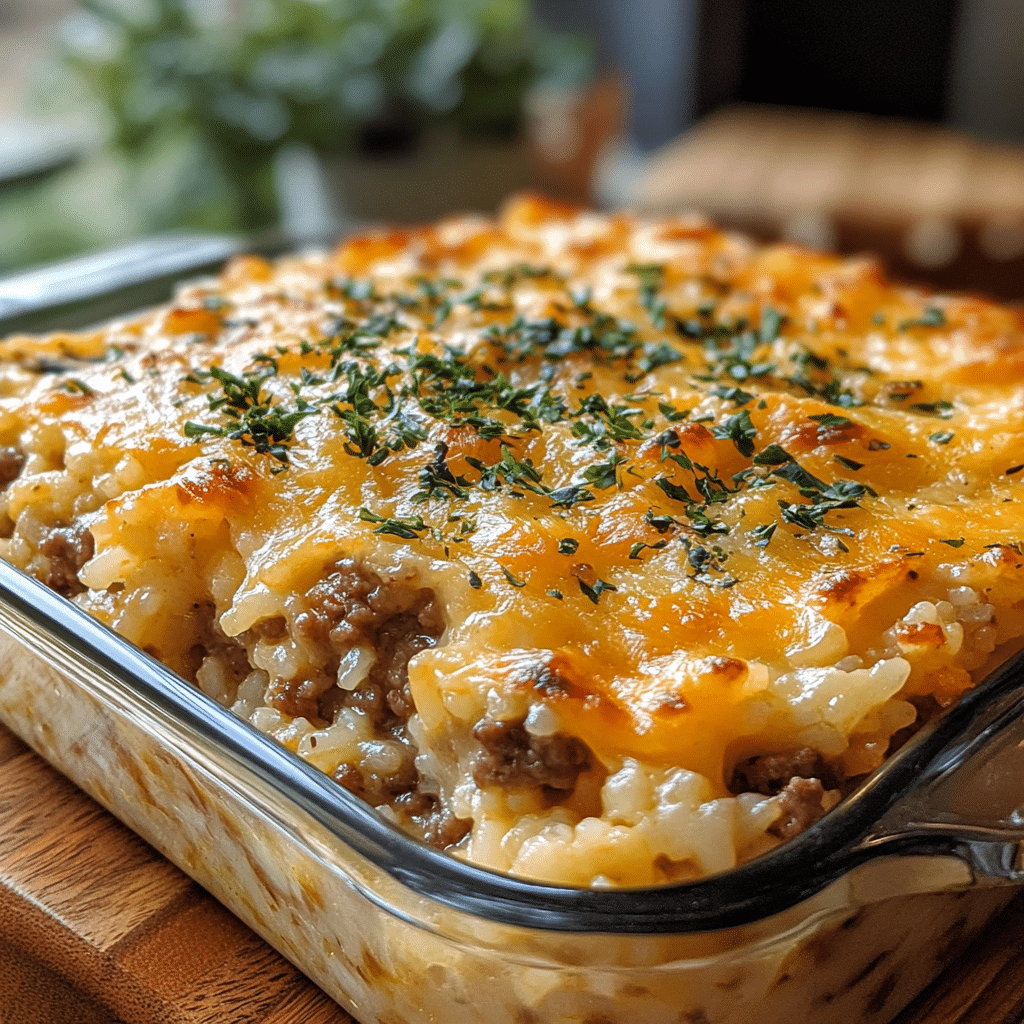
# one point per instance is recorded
(969, 798)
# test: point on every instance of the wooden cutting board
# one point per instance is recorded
(97, 928)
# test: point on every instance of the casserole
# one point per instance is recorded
(709, 950)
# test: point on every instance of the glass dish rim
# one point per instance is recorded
(769, 884)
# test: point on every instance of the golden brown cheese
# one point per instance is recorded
(678, 503)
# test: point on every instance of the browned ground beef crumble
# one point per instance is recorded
(514, 758)
(68, 548)
(12, 462)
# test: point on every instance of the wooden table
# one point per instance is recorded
(97, 928)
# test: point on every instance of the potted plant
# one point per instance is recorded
(412, 106)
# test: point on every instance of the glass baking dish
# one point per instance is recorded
(849, 921)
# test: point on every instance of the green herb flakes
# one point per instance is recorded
(512, 579)
(408, 528)
(594, 592)
(739, 429)
(931, 317)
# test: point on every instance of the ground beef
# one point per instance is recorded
(229, 651)
(12, 461)
(439, 827)
(771, 773)
(352, 606)
(340, 608)
(799, 781)
(800, 801)
(377, 789)
(432, 821)
(68, 548)
(513, 758)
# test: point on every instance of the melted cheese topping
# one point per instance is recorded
(669, 487)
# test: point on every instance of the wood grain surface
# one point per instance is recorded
(97, 928)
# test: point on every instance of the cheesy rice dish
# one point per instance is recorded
(597, 550)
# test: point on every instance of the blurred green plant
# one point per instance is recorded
(200, 94)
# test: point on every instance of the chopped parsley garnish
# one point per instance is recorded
(702, 524)
(650, 275)
(942, 436)
(771, 325)
(520, 272)
(634, 551)
(931, 317)
(731, 394)
(408, 528)
(656, 354)
(708, 565)
(73, 384)
(512, 579)
(814, 375)
(738, 429)
(732, 355)
(438, 481)
(252, 419)
(958, 543)
(567, 497)
(820, 497)
(568, 546)
(944, 410)
(674, 491)
(672, 414)
(603, 474)
(660, 523)
(763, 534)
(773, 455)
(594, 592)
(519, 473)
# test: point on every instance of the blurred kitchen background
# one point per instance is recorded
(846, 124)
